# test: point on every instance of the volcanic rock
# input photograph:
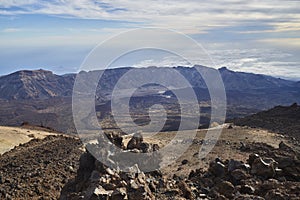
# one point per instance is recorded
(136, 141)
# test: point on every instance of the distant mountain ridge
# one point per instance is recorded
(41, 97)
(42, 84)
(242, 80)
(35, 84)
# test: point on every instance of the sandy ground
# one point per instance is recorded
(14, 136)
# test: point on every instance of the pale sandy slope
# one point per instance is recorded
(13, 136)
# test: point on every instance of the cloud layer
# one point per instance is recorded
(261, 36)
(188, 15)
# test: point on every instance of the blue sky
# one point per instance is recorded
(253, 36)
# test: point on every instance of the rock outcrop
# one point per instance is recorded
(269, 173)
(95, 180)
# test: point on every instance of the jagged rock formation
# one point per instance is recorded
(94, 180)
(269, 173)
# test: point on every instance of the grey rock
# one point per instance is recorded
(252, 157)
(136, 141)
(101, 193)
(145, 147)
(184, 162)
(248, 197)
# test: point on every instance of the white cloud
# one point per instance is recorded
(16, 3)
(187, 16)
(283, 42)
(273, 62)
(190, 16)
(73, 37)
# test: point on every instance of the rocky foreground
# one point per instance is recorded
(241, 166)
(39, 169)
(269, 173)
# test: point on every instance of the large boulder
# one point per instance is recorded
(136, 141)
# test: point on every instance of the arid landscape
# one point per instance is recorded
(149, 100)
(255, 157)
(53, 166)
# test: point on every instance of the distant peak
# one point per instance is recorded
(39, 71)
(223, 69)
(294, 105)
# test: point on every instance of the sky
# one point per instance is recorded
(259, 36)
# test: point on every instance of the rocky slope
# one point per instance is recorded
(39, 168)
(51, 168)
(281, 119)
(268, 173)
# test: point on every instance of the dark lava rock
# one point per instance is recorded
(217, 168)
(186, 190)
(273, 194)
(263, 168)
(39, 169)
(247, 189)
(226, 188)
(238, 175)
(135, 142)
(184, 162)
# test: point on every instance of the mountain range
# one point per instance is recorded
(42, 84)
(44, 98)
